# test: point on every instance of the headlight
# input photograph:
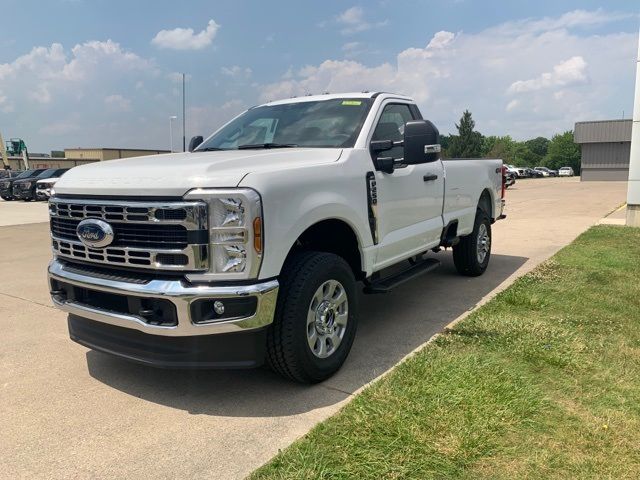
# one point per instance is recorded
(235, 233)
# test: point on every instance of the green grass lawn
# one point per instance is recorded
(541, 382)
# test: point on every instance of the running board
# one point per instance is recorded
(387, 284)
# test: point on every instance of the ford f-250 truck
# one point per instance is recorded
(250, 246)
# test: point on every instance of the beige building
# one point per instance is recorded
(102, 154)
(17, 163)
(79, 156)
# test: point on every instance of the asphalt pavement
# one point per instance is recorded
(68, 412)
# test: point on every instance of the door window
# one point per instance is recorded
(391, 127)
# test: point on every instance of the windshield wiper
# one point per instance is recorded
(266, 145)
(210, 149)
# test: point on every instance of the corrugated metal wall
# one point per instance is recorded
(606, 155)
(606, 148)
(603, 132)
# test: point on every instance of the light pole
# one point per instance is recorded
(171, 119)
(184, 121)
(633, 193)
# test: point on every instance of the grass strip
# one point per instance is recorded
(541, 382)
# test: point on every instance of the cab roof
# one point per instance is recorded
(333, 96)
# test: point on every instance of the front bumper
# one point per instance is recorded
(22, 194)
(183, 344)
(43, 193)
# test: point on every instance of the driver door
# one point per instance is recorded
(410, 198)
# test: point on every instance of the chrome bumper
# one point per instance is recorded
(178, 292)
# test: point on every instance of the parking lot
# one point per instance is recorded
(73, 413)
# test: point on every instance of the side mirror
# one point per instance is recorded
(378, 146)
(195, 141)
(421, 142)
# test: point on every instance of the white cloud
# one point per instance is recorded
(512, 105)
(50, 83)
(236, 71)
(353, 20)
(481, 71)
(570, 20)
(117, 103)
(186, 38)
(62, 127)
(568, 72)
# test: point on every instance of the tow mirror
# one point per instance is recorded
(421, 142)
(381, 145)
(195, 141)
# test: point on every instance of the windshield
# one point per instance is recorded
(52, 172)
(332, 123)
(46, 173)
(28, 173)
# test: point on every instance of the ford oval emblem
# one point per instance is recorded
(95, 233)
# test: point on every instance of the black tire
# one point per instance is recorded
(465, 253)
(288, 350)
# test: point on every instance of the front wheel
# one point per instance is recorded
(315, 319)
(471, 255)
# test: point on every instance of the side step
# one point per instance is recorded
(384, 285)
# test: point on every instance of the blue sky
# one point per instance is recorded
(102, 73)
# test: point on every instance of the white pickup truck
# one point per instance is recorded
(251, 246)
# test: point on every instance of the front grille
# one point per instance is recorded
(151, 235)
(129, 234)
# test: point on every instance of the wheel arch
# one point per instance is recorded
(486, 203)
(332, 235)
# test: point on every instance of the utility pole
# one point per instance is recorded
(633, 192)
(184, 135)
(171, 119)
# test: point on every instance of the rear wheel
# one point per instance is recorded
(471, 255)
(315, 319)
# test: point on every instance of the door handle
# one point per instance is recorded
(430, 177)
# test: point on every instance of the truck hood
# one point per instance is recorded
(174, 174)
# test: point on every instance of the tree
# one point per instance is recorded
(468, 142)
(445, 143)
(524, 157)
(563, 152)
(538, 145)
(500, 147)
(487, 144)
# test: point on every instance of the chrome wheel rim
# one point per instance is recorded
(327, 318)
(483, 243)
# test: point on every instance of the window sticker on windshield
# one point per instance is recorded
(356, 103)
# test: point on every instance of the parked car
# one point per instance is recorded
(25, 189)
(523, 172)
(566, 172)
(533, 173)
(44, 186)
(512, 169)
(546, 172)
(181, 259)
(6, 185)
(509, 177)
(4, 173)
